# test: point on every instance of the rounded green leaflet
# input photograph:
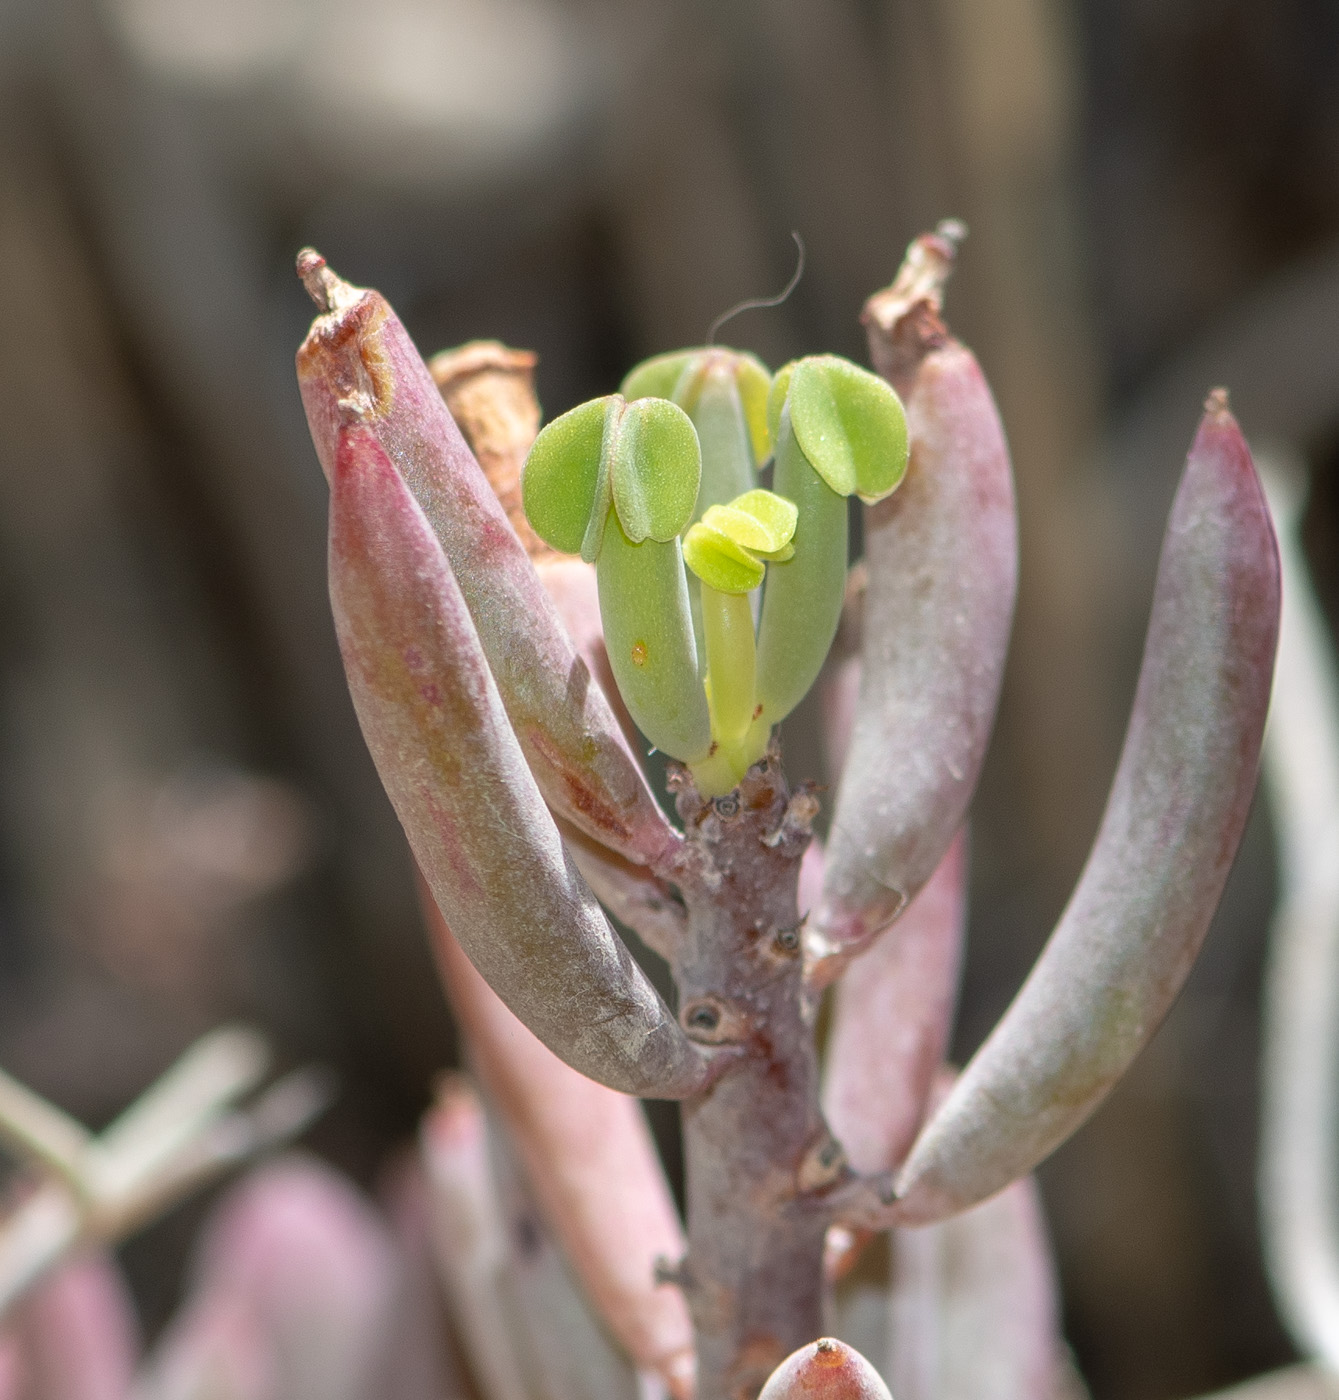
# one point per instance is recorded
(655, 466)
(850, 425)
(655, 378)
(720, 562)
(560, 482)
(761, 521)
(726, 547)
(648, 634)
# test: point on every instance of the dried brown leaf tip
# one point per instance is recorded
(903, 320)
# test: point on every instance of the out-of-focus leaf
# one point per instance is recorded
(592, 1169)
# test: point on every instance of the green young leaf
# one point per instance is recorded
(776, 400)
(803, 599)
(727, 449)
(648, 633)
(561, 479)
(656, 378)
(720, 562)
(655, 466)
(726, 547)
(850, 425)
(755, 384)
(761, 521)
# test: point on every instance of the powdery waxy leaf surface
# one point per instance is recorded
(655, 469)
(1175, 815)
(942, 560)
(489, 850)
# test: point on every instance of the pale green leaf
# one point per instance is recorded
(559, 483)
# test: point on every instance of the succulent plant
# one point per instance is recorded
(497, 683)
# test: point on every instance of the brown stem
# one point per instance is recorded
(757, 1148)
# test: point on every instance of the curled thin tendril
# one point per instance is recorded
(762, 303)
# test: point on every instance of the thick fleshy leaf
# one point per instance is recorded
(469, 1238)
(654, 469)
(890, 1023)
(591, 1165)
(720, 561)
(294, 1282)
(825, 1370)
(1135, 922)
(74, 1336)
(850, 425)
(648, 632)
(455, 774)
(802, 602)
(565, 1351)
(942, 561)
(634, 896)
(656, 378)
(358, 366)
(562, 474)
(974, 1311)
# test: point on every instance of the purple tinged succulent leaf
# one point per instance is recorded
(295, 1279)
(974, 1308)
(1135, 923)
(942, 566)
(488, 848)
(592, 1168)
(74, 1337)
(468, 1237)
(564, 1351)
(631, 893)
(891, 1022)
(825, 1370)
(358, 365)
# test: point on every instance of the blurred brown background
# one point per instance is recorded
(189, 827)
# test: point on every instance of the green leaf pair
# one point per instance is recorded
(727, 548)
(621, 482)
(642, 458)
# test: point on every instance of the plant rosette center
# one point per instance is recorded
(719, 599)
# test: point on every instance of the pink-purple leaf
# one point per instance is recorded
(891, 1021)
(358, 365)
(592, 1168)
(1135, 922)
(942, 559)
(488, 848)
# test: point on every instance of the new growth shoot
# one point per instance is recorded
(710, 657)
